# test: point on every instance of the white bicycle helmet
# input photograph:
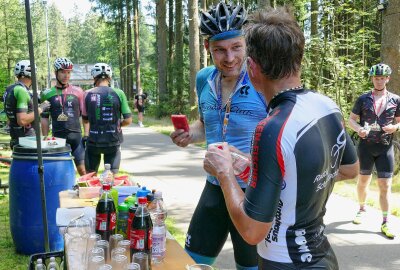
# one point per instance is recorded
(101, 70)
(380, 70)
(23, 68)
(63, 63)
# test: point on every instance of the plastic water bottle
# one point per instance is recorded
(40, 265)
(107, 177)
(158, 213)
(241, 166)
(53, 264)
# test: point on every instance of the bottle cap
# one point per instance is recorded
(142, 200)
(150, 197)
(106, 186)
(123, 207)
(142, 192)
(107, 166)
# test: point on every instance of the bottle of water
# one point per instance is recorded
(241, 166)
(40, 265)
(158, 213)
(53, 264)
(107, 177)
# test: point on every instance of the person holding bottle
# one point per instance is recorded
(376, 117)
(230, 109)
(298, 152)
(106, 110)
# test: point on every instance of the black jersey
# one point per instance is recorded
(296, 155)
(104, 107)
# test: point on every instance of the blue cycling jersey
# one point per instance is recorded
(248, 107)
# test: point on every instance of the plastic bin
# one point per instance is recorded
(59, 255)
(26, 217)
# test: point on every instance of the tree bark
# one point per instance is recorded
(178, 67)
(194, 54)
(171, 43)
(136, 43)
(129, 60)
(390, 49)
(162, 49)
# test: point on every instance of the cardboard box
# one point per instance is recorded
(31, 142)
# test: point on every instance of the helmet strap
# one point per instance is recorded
(63, 86)
(379, 90)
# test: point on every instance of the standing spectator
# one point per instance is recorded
(297, 154)
(230, 109)
(19, 105)
(140, 100)
(106, 110)
(376, 117)
(66, 109)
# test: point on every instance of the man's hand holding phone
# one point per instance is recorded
(181, 135)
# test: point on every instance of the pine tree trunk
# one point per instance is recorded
(390, 49)
(136, 43)
(194, 54)
(162, 49)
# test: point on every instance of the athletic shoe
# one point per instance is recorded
(386, 231)
(359, 217)
(140, 124)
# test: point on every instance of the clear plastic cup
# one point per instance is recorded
(114, 239)
(106, 246)
(142, 259)
(119, 261)
(95, 262)
(133, 266)
(199, 267)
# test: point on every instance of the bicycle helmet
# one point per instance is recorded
(380, 70)
(101, 70)
(63, 63)
(23, 68)
(222, 18)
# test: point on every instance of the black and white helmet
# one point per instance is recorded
(23, 68)
(63, 63)
(101, 70)
(222, 18)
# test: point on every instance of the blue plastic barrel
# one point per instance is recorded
(26, 220)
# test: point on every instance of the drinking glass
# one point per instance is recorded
(118, 250)
(114, 239)
(142, 259)
(133, 266)
(199, 267)
(95, 262)
(105, 267)
(119, 262)
(127, 245)
(106, 246)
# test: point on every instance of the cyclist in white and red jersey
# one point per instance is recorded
(298, 152)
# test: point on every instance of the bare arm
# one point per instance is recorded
(126, 121)
(392, 128)
(348, 171)
(196, 134)
(86, 127)
(218, 162)
(24, 118)
(354, 125)
(45, 126)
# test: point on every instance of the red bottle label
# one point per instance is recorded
(138, 239)
(102, 221)
(245, 174)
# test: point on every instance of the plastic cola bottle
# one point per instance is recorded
(141, 234)
(106, 216)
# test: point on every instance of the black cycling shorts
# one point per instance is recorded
(209, 228)
(140, 108)
(74, 139)
(112, 156)
(382, 156)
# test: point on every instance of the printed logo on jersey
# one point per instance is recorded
(93, 98)
(301, 241)
(274, 231)
(322, 180)
(187, 240)
(283, 185)
(255, 147)
(244, 91)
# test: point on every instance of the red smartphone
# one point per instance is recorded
(180, 122)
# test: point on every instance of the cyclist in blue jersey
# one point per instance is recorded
(18, 104)
(376, 117)
(230, 109)
(298, 152)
